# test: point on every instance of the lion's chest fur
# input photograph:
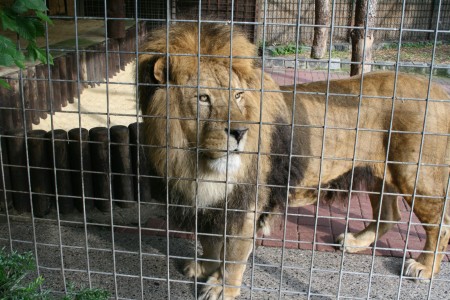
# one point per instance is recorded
(209, 190)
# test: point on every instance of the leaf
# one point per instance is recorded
(6, 43)
(4, 84)
(34, 4)
(6, 60)
(19, 7)
(43, 17)
(26, 29)
(9, 21)
(35, 53)
(39, 27)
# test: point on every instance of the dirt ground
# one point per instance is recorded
(115, 101)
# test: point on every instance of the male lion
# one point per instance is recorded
(228, 145)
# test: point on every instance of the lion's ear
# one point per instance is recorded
(159, 70)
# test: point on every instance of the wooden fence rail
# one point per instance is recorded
(75, 170)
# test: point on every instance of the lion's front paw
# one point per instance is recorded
(213, 290)
(199, 269)
(352, 244)
(417, 270)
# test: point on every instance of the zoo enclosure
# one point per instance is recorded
(22, 169)
(281, 16)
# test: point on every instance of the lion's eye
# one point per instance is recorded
(203, 98)
(238, 95)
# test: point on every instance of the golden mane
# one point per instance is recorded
(214, 44)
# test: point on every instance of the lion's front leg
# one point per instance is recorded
(212, 249)
(225, 283)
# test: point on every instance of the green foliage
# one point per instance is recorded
(15, 285)
(412, 45)
(286, 50)
(85, 294)
(26, 18)
(13, 269)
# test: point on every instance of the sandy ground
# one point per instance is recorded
(116, 99)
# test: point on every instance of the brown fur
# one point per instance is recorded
(197, 167)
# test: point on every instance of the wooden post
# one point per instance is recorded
(142, 164)
(100, 164)
(70, 77)
(322, 17)
(101, 62)
(42, 89)
(62, 166)
(33, 96)
(121, 165)
(83, 71)
(16, 103)
(26, 104)
(56, 87)
(116, 28)
(5, 202)
(80, 163)
(90, 66)
(15, 141)
(40, 173)
(365, 10)
(6, 118)
(61, 61)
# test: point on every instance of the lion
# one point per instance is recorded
(233, 148)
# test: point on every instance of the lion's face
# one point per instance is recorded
(219, 109)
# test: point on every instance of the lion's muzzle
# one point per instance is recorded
(238, 133)
(221, 157)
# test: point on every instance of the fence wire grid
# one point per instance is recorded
(78, 191)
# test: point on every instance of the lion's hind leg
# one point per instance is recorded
(429, 262)
(355, 242)
(209, 262)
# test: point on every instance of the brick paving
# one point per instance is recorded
(305, 231)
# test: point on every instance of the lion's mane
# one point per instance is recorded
(273, 140)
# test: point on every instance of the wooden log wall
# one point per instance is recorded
(48, 89)
(40, 167)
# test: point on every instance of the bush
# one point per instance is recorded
(14, 277)
(26, 18)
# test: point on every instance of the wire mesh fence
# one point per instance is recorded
(135, 155)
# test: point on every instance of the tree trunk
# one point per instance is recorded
(365, 10)
(116, 28)
(322, 17)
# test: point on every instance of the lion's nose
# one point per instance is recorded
(237, 133)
